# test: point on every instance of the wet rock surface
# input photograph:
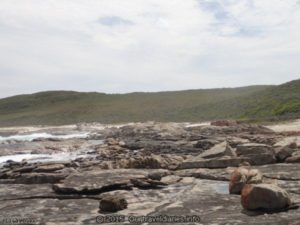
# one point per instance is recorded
(151, 169)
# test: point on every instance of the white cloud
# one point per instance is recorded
(149, 45)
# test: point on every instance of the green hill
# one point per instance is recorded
(67, 107)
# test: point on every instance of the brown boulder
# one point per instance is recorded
(264, 197)
(112, 204)
(242, 176)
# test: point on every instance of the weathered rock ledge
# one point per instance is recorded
(152, 169)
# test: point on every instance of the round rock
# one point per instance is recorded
(264, 197)
(112, 204)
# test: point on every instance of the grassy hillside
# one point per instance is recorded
(282, 101)
(65, 107)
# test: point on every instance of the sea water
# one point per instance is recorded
(55, 157)
(31, 137)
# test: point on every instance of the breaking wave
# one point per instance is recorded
(31, 137)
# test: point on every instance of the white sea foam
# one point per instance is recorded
(56, 157)
(197, 124)
(31, 137)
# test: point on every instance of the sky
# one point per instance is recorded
(120, 46)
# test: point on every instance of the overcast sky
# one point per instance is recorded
(118, 46)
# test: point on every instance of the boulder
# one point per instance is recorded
(258, 154)
(264, 197)
(242, 176)
(222, 149)
(112, 204)
(283, 152)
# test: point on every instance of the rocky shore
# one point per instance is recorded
(224, 173)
